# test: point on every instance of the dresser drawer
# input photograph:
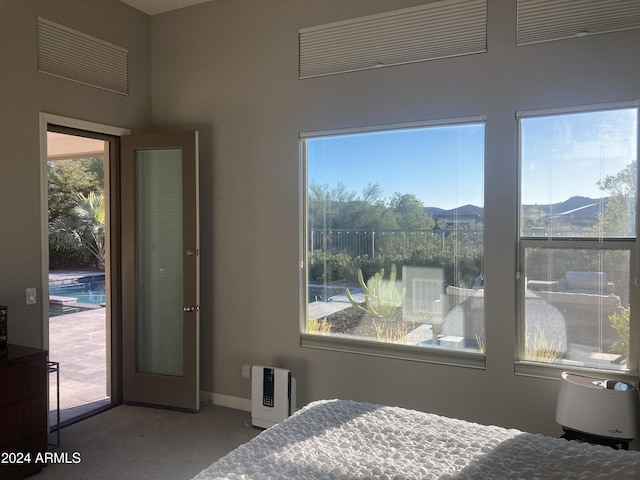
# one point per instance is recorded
(23, 380)
(23, 419)
(24, 408)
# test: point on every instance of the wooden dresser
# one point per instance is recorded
(23, 411)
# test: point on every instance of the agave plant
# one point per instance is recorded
(381, 298)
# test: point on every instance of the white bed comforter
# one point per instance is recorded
(341, 439)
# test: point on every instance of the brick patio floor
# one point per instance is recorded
(78, 342)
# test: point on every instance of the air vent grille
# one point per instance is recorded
(79, 57)
(431, 31)
(548, 20)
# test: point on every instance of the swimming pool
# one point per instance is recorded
(322, 293)
(89, 290)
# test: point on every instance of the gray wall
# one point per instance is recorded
(229, 68)
(24, 93)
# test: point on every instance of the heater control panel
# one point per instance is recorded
(268, 385)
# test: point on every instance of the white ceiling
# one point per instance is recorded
(153, 7)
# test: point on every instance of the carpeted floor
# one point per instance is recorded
(130, 442)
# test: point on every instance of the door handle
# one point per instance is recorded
(191, 309)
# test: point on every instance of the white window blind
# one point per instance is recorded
(76, 56)
(441, 29)
(548, 20)
(159, 264)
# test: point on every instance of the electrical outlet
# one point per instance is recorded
(31, 295)
(246, 371)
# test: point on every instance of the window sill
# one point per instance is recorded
(393, 350)
(554, 372)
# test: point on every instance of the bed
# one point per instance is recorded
(343, 439)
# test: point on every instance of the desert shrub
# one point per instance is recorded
(620, 322)
(329, 268)
(343, 269)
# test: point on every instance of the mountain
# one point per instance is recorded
(574, 206)
(464, 211)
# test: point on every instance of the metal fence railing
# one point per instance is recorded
(371, 242)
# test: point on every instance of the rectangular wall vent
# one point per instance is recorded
(441, 29)
(549, 20)
(79, 57)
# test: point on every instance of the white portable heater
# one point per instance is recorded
(598, 408)
(273, 395)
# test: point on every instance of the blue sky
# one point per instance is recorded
(566, 155)
(563, 156)
(442, 166)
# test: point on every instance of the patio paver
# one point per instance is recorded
(78, 342)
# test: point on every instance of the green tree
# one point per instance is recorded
(66, 180)
(623, 184)
(339, 208)
(410, 213)
(69, 177)
(620, 211)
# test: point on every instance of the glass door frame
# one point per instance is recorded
(114, 379)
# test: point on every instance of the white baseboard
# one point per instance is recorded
(229, 401)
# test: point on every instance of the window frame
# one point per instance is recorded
(554, 371)
(474, 360)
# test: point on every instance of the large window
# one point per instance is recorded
(393, 241)
(577, 237)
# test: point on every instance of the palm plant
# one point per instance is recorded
(82, 235)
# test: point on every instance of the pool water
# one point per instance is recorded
(86, 292)
(319, 293)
